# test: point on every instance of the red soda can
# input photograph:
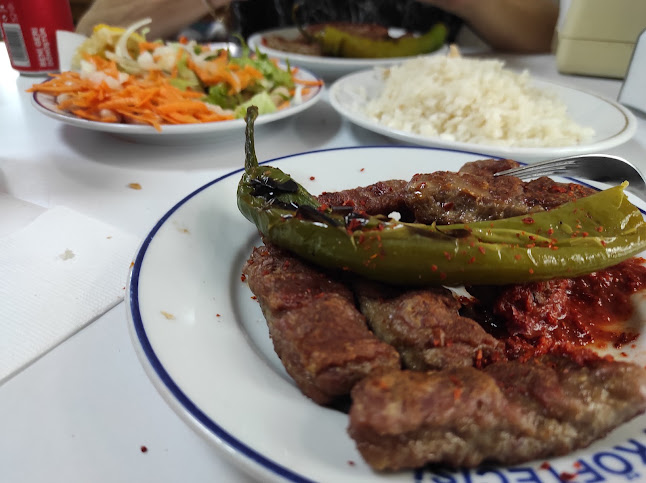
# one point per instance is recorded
(29, 30)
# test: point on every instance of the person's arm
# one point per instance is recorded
(507, 25)
(168, 16)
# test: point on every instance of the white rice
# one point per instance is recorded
(475, 101)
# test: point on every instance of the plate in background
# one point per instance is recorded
(180, 133)
(613, 123)
(326, 67)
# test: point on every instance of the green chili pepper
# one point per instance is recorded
(337, 43)
(574, 239)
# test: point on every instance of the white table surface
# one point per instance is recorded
(83, 411)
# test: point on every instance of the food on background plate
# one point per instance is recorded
(463, 393)
(473, 101)
(120, 77)
(357, 41)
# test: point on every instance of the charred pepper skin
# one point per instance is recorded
(574, 239)
(337, 43)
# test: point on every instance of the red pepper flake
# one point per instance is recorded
(312, 178)
(362, 170)
(253, 297)
(447, 255)
(143, 449)
(448, 206)
(553, 247)
(603, 243)
(623, 354)
(567, 476)
(531, 270)
(528, 220)
(479, 359)
(351, 463)
(457, 393)
(472, 260)
(599, 229)
(517, 256)
(585, 233)
(532, 237)
(218, 315)
(434, 268)
(243, 278)
(323, 207)
(550, 232)
(353, 225)
(545, 465)
(530, 245)
(481, 249)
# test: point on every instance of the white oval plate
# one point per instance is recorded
(326, 67)
(613, 123)
(204, 342)
(178, 133)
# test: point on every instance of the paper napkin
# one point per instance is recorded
(57, 274)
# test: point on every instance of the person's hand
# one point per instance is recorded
(510, 25)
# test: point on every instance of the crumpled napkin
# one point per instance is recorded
(57, 274)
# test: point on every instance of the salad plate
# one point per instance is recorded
(203, 341)
(182, 133)
(613, 124)
(326, 67)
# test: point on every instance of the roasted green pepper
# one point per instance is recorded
(337, 43)
(574, 239)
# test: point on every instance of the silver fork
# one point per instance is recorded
(597, 167)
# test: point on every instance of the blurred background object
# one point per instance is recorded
(597, 37)
(250, 16)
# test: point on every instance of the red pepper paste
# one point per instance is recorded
(535, 318)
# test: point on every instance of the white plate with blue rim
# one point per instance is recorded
(204, 343)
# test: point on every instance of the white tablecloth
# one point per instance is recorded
(85, 410)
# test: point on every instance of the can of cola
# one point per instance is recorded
(29, 31)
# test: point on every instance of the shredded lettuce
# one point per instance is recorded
(185, 63)
(262, 100)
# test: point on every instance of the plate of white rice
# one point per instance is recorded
(479, 105)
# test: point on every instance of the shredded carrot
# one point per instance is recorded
(221, 70)
(148, 46)
(306, 82)
(149, 100)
